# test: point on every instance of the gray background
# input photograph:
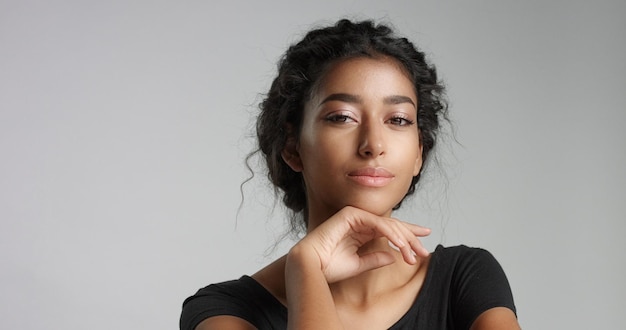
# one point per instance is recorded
(124, 124)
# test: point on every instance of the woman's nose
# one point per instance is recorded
(371, 142)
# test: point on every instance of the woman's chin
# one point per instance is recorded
(379, 209)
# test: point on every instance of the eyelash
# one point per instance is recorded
(338, 118)
(397, 121)
(401, 121)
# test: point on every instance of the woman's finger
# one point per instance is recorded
(375, 260)
(408, 234)
(401, 234)
(417, 230)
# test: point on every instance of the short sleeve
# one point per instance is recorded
(243, 298)
(479, 284)
(210, 301)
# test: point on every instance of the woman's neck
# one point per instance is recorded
(368, 286)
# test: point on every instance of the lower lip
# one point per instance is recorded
(371, 181)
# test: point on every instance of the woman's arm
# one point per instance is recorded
(498, 318)
(309, 300)
(225, 322)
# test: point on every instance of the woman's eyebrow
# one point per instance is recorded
(343, 97)
(398, 99)
(351, 98)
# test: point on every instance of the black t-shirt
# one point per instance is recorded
(460, 284)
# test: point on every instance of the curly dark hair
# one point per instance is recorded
(302, 66)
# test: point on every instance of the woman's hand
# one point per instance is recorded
(336, 242)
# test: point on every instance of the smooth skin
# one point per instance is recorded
(357, 151)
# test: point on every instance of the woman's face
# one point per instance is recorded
(359, 143)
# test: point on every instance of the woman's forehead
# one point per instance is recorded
(365, 77)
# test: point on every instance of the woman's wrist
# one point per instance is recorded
(302, 257)
(309, 299)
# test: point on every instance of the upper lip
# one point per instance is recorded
(372, 171)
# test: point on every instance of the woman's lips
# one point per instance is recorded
(371, 176)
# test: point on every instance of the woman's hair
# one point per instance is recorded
(302, 67)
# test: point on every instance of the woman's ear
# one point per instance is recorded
(290, 153)
(419, 161)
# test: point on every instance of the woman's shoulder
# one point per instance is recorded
(462, 255)
(231, 289)
(461, 267)
(462, 283)
(460, 249)
(463, 261)
(246, 298)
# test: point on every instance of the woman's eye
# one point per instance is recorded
(400, 121)
(339, 118)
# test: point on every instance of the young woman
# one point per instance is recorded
(345, 130)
